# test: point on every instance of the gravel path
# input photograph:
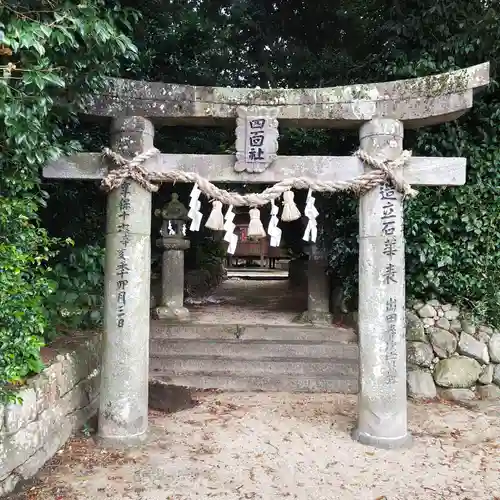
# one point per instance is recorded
(283, 446)
(238, 301)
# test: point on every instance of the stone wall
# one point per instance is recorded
(449, 356)
(55, 403)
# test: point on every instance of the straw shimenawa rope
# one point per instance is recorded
(384, 171)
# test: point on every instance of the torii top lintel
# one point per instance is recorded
(416, 102)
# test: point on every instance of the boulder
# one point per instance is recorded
(486, 376)
(455, 325)
(486, 329)
(457, 372)
(414, 328)
(482, 337)
(443, 323)
(421, 385)
(469, 346)
(419, 354)
(457, 394)
(427, 311)
(168, 398)
(488, 391)
(443, 342)
(418, 305)
(434, 303)
(452, 314)
(494, 348)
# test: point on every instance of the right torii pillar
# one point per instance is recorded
(382, 414)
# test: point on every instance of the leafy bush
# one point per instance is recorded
(453, 233)
(46, 54)
(78, 284)
(23, 289)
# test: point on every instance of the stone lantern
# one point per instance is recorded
(174, 244)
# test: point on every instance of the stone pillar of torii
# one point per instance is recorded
(380, 111)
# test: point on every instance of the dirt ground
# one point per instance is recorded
(254, 301)
(283, 446)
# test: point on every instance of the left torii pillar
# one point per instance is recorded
(123, 406)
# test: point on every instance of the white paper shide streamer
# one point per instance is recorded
(272, 229)
(311, 232)
(229, 226)
(194, 209)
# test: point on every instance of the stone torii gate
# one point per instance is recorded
(381, 111)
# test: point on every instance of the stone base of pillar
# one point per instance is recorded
(317, 318)
(177, 314)
(384, 443)
(121, 443)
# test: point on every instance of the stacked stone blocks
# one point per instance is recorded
(450, 356)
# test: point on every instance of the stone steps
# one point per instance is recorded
(163, 329)
(243, 366)
(231, 382)
(255, 349)
(292, 358)
(257, 273)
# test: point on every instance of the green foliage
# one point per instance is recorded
(78, 282)
(48, 51)
(23, 289)
(210, 253)
(453, 235)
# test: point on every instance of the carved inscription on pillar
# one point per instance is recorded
(256, 138)
(392, 274)
(122, 269)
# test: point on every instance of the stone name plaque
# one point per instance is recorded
(256, 138)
